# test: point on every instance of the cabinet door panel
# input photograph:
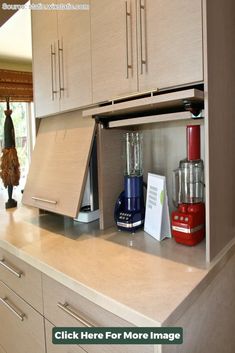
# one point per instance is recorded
(170, 36)
(2, 350)
(28, 285)
(60, 160)
(55, 293)
(75, 57)
(113, 42)
(57, 348)
(18, 336)
(45, 63)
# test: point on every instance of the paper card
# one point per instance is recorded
(157, 218)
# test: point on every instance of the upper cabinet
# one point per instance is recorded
(114, 54)
(61, 59)
(115, 49)
(170, 43)
(144, 45)
(74, 57)
(44, 34)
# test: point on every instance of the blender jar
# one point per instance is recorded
(133, 147)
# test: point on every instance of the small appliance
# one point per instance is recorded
(89, 210)
(188, 222)
(129, 209)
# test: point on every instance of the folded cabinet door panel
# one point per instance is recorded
(60, 160)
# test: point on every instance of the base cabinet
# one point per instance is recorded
(22, 278)
(65, 308)
(22, 328)
(59, 348)
(21, 307)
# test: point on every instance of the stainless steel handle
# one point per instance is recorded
(128, 66)
(143, 61)
(66, 308)
(15, 272)
(61, 66)
(18, 314)
(53, 58)
(44, 200)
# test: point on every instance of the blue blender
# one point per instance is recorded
(129, 209)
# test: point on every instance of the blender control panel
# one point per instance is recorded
(124, 216)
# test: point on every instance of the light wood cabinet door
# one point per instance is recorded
(22, 327)
(169, 43)
(22, 278)
(61, 59)
(65, 308)
(56, 295)
(45, 62)
(59, 165)
(74, 55)
(113, 43)
(58, 348)
(2, 350)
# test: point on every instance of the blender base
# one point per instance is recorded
(189, 239)
(188, 224)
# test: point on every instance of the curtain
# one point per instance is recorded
(17, 85)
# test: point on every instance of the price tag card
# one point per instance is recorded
(157, 218)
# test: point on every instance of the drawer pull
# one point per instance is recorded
(17, 273)
(19, 315)
(44, 200)
(65, 307)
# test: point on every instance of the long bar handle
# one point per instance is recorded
(142, 60)
(19, 314)
(61, 66)
(66, 308)
(44, 200)
(15, 272)
(128, 66)
(53, 55)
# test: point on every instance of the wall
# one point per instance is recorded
(9, 64)
(164, 147)
(219, 70)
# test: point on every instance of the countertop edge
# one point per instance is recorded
(115, 307)
(89, 293)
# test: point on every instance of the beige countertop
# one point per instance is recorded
(134, 276)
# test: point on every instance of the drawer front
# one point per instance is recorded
(58, 348)
(21, 278)
(65, 308)
(55, 294)
(22, 328)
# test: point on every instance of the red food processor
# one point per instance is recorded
(188, 221)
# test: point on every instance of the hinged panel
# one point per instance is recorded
(58, 170)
